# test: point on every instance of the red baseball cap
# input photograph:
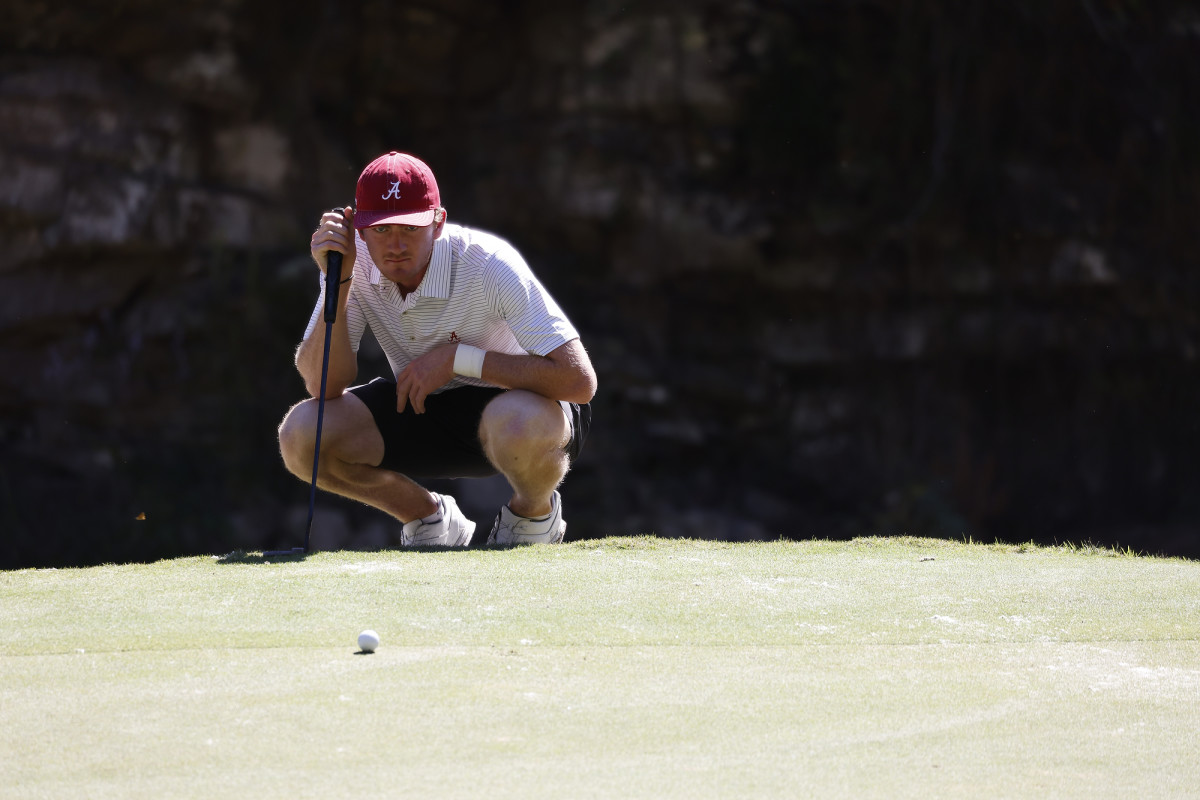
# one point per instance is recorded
(396, 189)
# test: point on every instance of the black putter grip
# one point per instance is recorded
(333, 281)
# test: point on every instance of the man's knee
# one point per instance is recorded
(297, 435)
(524, 421)
(348, 434)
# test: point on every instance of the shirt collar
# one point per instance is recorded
(373, 272)
(436, 282)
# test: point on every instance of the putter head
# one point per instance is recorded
(295, 551)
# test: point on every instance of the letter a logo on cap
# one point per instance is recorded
(393, 192)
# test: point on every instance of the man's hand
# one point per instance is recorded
(336, 232)
(424, 375)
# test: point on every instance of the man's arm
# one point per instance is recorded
(565, 373)
(336, 232)
(343, 363)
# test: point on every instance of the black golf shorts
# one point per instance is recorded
(444, 441)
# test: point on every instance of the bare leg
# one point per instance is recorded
(350, 446)
(524, 435)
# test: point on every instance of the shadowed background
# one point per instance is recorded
(843, 267)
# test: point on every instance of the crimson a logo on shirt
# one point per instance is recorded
(454, 337)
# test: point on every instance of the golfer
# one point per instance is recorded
(489, 374)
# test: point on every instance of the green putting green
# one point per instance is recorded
(632, 667)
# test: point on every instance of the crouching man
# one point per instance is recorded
(490, 375)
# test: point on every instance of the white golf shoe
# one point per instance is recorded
(446, 527)
(511, 529)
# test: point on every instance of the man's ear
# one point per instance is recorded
(439, 222)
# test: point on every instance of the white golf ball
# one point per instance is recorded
(368, 641)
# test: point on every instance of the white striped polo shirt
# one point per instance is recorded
(478, 290)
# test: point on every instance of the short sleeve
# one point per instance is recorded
(519, 298)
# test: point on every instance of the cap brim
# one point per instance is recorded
(369, 219)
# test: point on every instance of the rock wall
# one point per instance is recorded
(843, 268)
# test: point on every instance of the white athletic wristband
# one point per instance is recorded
(468, 361)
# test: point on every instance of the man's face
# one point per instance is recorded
(402, 252)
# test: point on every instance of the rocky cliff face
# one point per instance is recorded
(881, 268)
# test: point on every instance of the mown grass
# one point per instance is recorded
(635, 667)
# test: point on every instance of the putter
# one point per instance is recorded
(333, 279)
